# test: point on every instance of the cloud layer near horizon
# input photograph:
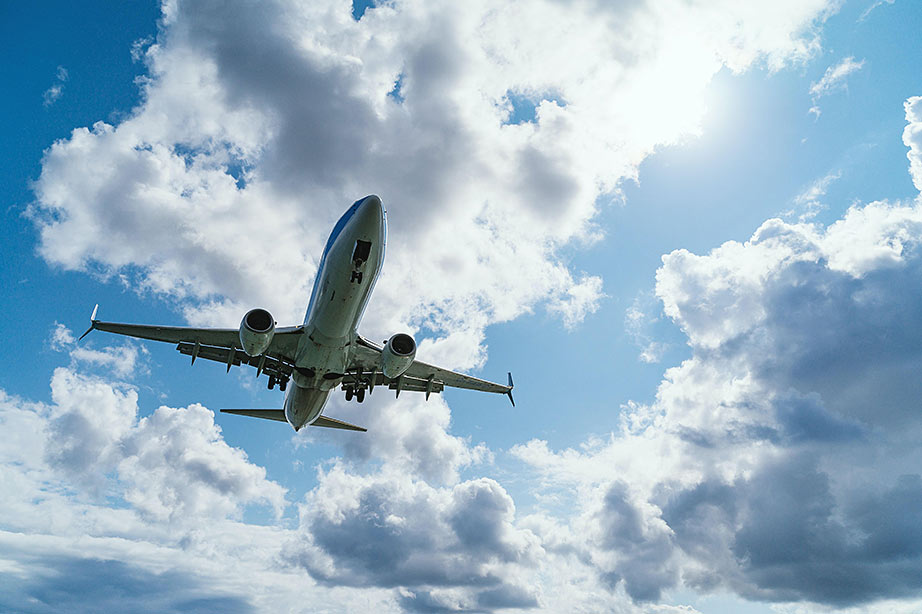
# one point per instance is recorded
(766, 463)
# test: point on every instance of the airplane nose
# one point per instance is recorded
(371, 210)
(373, 202)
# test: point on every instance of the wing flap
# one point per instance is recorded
(410, 384)
(271, 365)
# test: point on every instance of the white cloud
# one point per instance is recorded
(833, 79)
(410, 433)
(53, 93)
(873, 6)
(171, 465)
(386, 529)
(912, 138)
(784, 453)
(809, 203)
(121, 360)
(137, 514)
(258, 127)
(781, 455)
(638, 323)
(61, 338)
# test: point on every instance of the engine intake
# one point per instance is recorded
(256, 330)
(397, 355)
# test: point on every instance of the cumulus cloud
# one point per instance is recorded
(258, 126)
(765, 456)
(410, 433)
(389, 530)
(172, 465)
(104, 510)
(832, 80)
(121, 360)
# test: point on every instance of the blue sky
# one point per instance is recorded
(691, 232)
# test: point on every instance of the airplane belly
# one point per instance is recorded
(342, 304)
(303, 405)
(349, 268)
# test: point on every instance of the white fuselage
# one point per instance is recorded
(345, 277)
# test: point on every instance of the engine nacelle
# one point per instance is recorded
(256, 330)
(397, 355)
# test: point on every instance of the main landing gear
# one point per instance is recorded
(274, 381)
(356, 388)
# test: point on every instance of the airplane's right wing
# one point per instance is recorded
(217, 344)
(427, 378)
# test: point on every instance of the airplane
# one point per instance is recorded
(326, 351)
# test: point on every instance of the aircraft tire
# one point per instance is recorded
(348, 394)
(271, 383)
(360, 395)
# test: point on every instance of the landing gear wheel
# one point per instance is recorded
(283, 385)
(348, 394)
(271, 384)
(360, 395)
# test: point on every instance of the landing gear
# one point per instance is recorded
(355, 392)
(277, 381)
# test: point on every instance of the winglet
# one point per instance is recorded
(92, 322)
(509, 392)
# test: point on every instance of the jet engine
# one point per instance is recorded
(397, 355)
(256, 330)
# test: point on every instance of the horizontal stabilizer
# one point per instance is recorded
(265, 414)
(333, 423)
